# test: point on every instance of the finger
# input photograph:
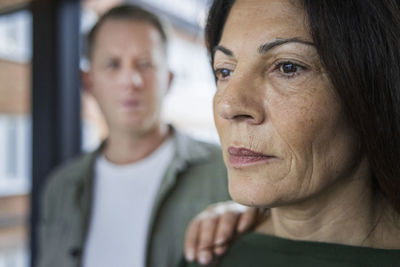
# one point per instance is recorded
(247, 220)
(226, 227)
(206, 233)
(205, 257)
(206, 240)
(262, 214)
(220, 250)
(191, 240)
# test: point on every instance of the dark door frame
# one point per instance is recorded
(56, 106)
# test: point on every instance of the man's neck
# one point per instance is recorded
(125, 148)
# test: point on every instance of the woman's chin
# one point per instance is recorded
(251, 197)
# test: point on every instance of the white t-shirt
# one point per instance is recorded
(123, 199)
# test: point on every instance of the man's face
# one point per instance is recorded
(129, 75)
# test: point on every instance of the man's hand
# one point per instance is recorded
(211, 231)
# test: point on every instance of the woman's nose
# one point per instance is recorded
(240, 102)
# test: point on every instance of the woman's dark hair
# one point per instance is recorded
(358, 42)
(127, 12)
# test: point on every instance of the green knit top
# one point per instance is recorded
(255, 250)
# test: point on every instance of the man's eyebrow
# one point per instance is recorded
(224, 50)
(264, 48)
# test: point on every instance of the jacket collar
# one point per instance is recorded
(186, 150)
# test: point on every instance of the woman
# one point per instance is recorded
(308, 113)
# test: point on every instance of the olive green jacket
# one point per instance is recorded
(195, 178)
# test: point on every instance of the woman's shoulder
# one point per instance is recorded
(257, 249)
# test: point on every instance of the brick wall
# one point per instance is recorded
(11, 4)
(13, 221)
(15, 87)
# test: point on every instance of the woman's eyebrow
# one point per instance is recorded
(264, 48)
(224, 50)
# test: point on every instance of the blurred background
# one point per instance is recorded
(46, 117)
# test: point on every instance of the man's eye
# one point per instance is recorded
(113, 64)
(144, 65)
(223, 74)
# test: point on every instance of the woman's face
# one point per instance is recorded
(281, 126)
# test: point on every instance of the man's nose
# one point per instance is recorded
(132, 79)
(137, 79)
(240, 101)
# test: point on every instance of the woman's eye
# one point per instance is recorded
(289, 69)
(223, 74)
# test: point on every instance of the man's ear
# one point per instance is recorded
(86, 81)
(170, 79)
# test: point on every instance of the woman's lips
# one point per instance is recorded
(243, 157)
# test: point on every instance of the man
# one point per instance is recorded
(128, 203)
